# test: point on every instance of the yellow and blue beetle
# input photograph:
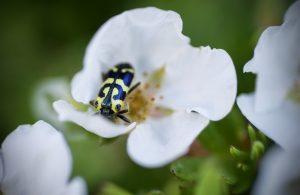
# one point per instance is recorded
(116, 86)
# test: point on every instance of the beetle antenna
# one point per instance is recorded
(123, 118)
(123, 111)
(134, 87)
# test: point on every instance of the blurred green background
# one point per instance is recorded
(47, 39)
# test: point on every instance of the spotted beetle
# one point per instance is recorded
(116, 86)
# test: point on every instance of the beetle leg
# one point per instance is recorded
(134, 87)
(92, 102)
(123, 111)
(123, 118)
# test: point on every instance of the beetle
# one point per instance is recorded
(116, 86)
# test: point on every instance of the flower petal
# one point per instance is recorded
(279, 173)
(158, 142)
(281, 125)
(36, 161)
(1, 167)
(89, 121)
(144, 37)
(76, 187)
(203, 80)
(276, 61)
(47, 91)
(293, 12)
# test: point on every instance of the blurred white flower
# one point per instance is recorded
(45, 93)
(36, 160)
(279, 173)
(274, 107)
(195, 79)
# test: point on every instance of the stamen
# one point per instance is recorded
(139, 105)
(160, 111)
(156, 78)
(142, 101)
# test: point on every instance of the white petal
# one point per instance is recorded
(93, 123)
(279, 174)
(86, 84)
(293, 12)
(276, 61)
(44, 95)
(281, 124)
(158, 142)
(203, 80)
(36, 161)
(76, 187)
(144, 37)
(1, 167)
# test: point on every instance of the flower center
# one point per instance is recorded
(139, 104)
(142, 101)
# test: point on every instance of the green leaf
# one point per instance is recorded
(112, 189)
(228, 171)
(243, 185)
(155, 192)
(187, 168)
(211, 182)
(219, 136)
(172, 187)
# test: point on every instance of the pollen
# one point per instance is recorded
(142, 101)
(140, 105)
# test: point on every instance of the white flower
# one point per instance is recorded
(36, 160)
(273, 107)
(194, 79)
(279, 173)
